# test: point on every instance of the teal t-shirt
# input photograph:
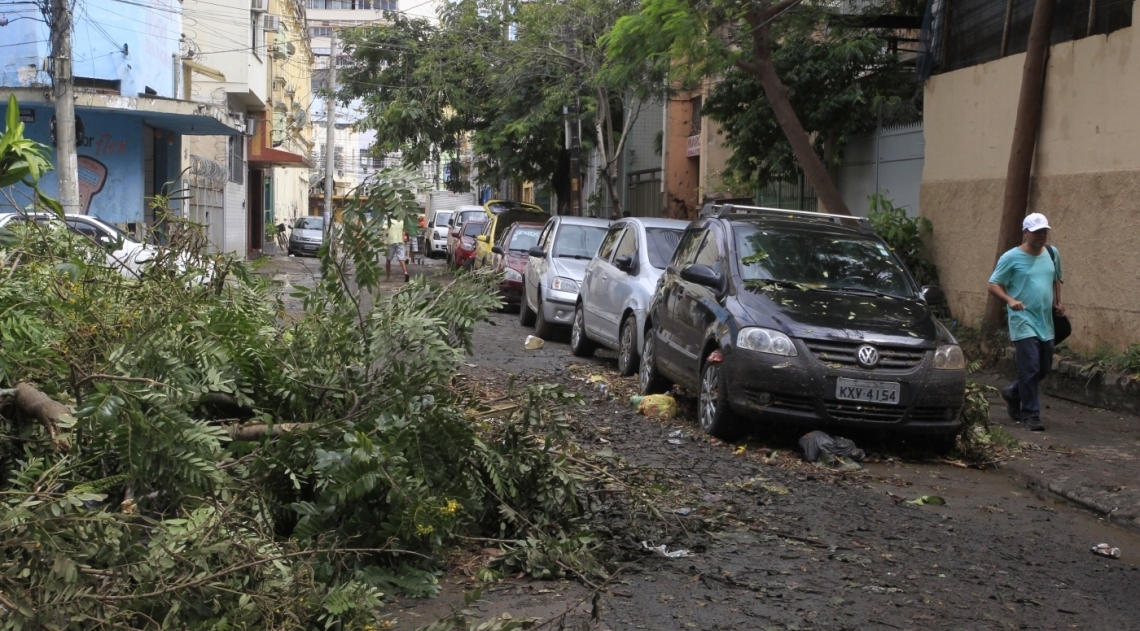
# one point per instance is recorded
(1029, 279)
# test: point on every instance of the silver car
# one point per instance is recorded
(307, 235)
(618, 286)
(554, 269)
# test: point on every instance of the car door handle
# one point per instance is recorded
(605, 276)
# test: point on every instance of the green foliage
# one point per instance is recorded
(838, 85)
(232, 466)
(905, 236)
(979, 440)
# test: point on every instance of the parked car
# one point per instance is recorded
(123, 251)
(465, 253)
(500, 216)
(618, 286)
(554, 270)
(509, 258)
(803, 318)
(435, 243)
(307, 236)
(455, 223)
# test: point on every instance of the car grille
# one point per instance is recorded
(865, 412)
(932, 415)
(792, 402)
(843, 353)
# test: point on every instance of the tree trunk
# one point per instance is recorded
(1025, 127)
(764, 69)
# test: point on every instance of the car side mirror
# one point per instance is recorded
(933, 295)
(431, 224)
(497, 249)
(537, 252)
(482, 238)
(624, 263)
(701, 275)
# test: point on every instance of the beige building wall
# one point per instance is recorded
(1086, 179)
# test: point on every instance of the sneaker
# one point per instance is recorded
(407, 278)
(1033, 424)
(1012, 406)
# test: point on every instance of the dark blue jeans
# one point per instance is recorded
(1034, 360)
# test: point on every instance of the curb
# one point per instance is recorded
(1084, 384)
(1043, 485)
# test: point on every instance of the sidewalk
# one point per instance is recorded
(1088, 456)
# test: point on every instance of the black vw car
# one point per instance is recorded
(775, 315)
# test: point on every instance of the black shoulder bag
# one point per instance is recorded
(1062, 328)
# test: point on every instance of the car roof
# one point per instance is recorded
(462, 208)
(800, 225)
(525, 224)
(656, 222)
(584, 221)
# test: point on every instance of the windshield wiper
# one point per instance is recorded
(571, 256)
(783, 283)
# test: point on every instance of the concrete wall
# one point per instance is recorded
(1086, 179)
(888, 161)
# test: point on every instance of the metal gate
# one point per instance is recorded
(645, 198)
(205, 185)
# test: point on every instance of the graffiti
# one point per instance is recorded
(107, 146)
(92, 176)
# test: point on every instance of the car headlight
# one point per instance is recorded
(949, 357)
(468, 246)
(564, 284)
(511, 274)
(761, 340)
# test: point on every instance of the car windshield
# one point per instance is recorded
(820, 260)
(662, 242)
(523, 239)
(310, 223)
(472, 228)
(578, 242)
(468, 215)
(441, 218)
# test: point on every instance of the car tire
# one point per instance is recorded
(714, 414)
(526, 316)
(580, 344)
(649, 381)
(542, 328)
(627, 347)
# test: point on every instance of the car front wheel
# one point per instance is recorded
(649, 381)
(526, 316)
(580, 345)
(713, 413)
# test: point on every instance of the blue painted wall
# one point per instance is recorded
(110, 164)
(149, 31)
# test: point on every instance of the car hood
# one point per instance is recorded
(308, 233)
(851, 317)
(574, 269)
(516, 261)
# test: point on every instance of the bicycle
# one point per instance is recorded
(282, 242)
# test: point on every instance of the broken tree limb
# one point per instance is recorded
(254, 431)
(44, 409)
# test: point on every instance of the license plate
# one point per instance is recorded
(867, 391)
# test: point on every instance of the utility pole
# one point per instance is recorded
(330, 135)
(67, 166)
(575, 157)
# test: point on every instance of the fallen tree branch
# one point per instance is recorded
(150, 382)
(46, 410)
(254, 431)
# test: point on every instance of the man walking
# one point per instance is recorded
(396, 248)
(1028, 279)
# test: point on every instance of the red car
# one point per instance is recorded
(465, 253)
(455, 225)
(510, 256)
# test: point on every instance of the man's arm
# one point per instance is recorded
(999, 292)
(1057, 297)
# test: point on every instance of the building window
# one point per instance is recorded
(321, 31)
(237, 159)
(379, 5)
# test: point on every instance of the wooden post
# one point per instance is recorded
(1025, 129)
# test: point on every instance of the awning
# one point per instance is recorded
(262, 155)
(187, 118)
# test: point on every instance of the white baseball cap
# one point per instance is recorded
(1035, 222)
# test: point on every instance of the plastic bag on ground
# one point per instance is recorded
(817, 442)
(533, 343)
(658, 406)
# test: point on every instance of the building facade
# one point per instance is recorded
(131, 124)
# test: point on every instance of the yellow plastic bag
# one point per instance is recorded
(658, 406)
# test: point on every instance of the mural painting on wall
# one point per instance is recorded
(92, 177)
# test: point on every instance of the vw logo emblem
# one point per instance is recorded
(867, 356)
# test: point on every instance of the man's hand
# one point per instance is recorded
(1016, 305)
(1060, 308)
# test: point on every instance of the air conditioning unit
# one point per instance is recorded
(250, 126)
(270, 22)
(259, 6)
